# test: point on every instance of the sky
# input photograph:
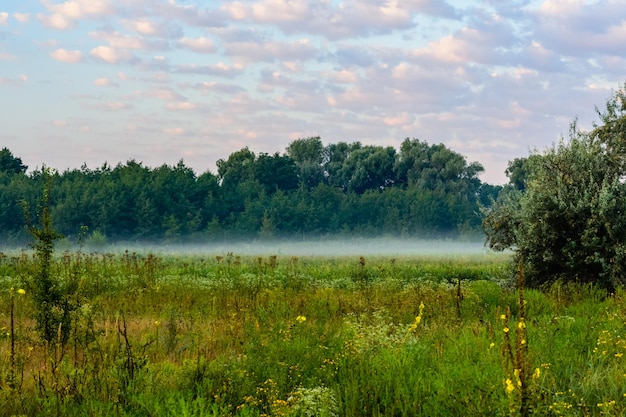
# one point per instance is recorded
(84, 82)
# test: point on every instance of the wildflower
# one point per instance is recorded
(300, 319)
(537, 373)
(21, 291)
(619, 355)
(491, 345)
(521, 325)
(502, 317)
(508, 386)
(505, 330)
(156, 322)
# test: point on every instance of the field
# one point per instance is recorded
(164, 335)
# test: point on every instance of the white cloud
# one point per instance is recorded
(64, 55)
(103, 82)
(201, 44)
(220, 69)
(174, 131)
(580, 28)
(183, 105)
(145, 27)
(116, 106)
(110, 55)
(401, 119)
(21, 17)
(60, 123)
(4, 16)
(299, 50)
(80, 9)
(15, 82)
(117, 40)
(191, 15)
(56, 21)
(165, 94)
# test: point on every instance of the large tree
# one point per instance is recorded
(564, 213)
(11, 164)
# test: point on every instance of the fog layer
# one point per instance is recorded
(334, 247)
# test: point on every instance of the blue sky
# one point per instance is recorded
(94, 81)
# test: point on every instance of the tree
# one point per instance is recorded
(11, 164)
(51, 296)
(308, 155)
(275, 172)
(568, 221)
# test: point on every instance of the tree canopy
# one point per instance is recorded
(310, 190)
(564, 212)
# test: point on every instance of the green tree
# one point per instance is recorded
(51, 296)
(568, 222)
(308, 155)
(11, 164)
(275, 172)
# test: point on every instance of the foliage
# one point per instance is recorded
(564, 214)
(51, 298)
(312, 190)
(245, 336)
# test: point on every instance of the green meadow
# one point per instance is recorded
(166, 335)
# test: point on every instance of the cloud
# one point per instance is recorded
(174, 131)
(182, 105)
(336, 20)
(579, 28)
(63, 55)
(220, 69)
(145, 27)
(213, 87)
(191, 14)
(110, 55)
(117, 40)
(15, 82)
(300, 50)
(80, 9)
(111, 106)
(103, 82)
(56, 21)
(201, 44)
(165, 94)
(21, 17)
(4, 17)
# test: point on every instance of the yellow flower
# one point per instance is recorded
(491, 345)
(619, 355)
(508, 386)
(521, 325)
(537, 373)
(505, 330)
(502, 317)
(21, 291)
(300, 319)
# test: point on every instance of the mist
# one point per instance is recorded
(318, 247)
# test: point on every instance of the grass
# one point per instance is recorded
(249, 336)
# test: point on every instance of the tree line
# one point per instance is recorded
(310, 190)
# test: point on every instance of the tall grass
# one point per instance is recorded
(249, 336)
